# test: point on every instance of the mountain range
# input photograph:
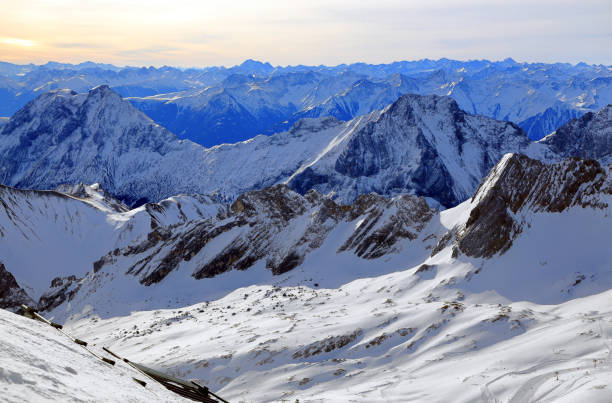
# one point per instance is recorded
(422, 145)
(374, 245)
(217, 105)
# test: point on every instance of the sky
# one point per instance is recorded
(197, 33)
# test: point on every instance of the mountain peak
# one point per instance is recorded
(102, 89)
(253, 62)
(89, 137)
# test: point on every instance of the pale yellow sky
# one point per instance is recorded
(201, 33)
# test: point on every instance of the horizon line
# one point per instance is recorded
(179, 67)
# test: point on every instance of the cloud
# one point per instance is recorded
(18, 42)
(193, 32)
(78, 45)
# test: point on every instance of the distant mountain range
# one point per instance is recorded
(217, 105)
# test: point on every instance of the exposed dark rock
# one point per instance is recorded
(260, 225)
(520, 183)
(442, 243)
(327, 345)
(371, 241)
(291, 261)
(62, 289)
(11, 294)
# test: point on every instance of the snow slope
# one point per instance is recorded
(39, 364)
(406, 336)
(531, 323)
(48, 234)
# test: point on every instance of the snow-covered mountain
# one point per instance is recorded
(423, 145)
(64, 137)
(587, 137)
(217, 105)
(274, 231)
(299, 297)
(80, 225)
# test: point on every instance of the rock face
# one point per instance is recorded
(11, 294)
(589, 136)
(423, 145)
(518, 185)
(62, 289)
(275, 225)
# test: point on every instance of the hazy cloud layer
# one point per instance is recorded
(190, 32)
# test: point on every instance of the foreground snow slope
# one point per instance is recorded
(407, 336)
(39, 364)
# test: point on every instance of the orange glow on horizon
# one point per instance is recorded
(200, 33)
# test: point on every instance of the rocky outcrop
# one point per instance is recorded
(276, 226)
(11, 294)
(377, 234)
(62, 289)
(519, 184)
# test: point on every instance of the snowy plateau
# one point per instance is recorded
(378, 245)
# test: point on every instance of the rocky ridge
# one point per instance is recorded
(518, 186)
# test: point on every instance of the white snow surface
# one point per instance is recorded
(39, 364)
(404, 336)
(48, 234)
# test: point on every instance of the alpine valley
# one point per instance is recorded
(384, 238)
